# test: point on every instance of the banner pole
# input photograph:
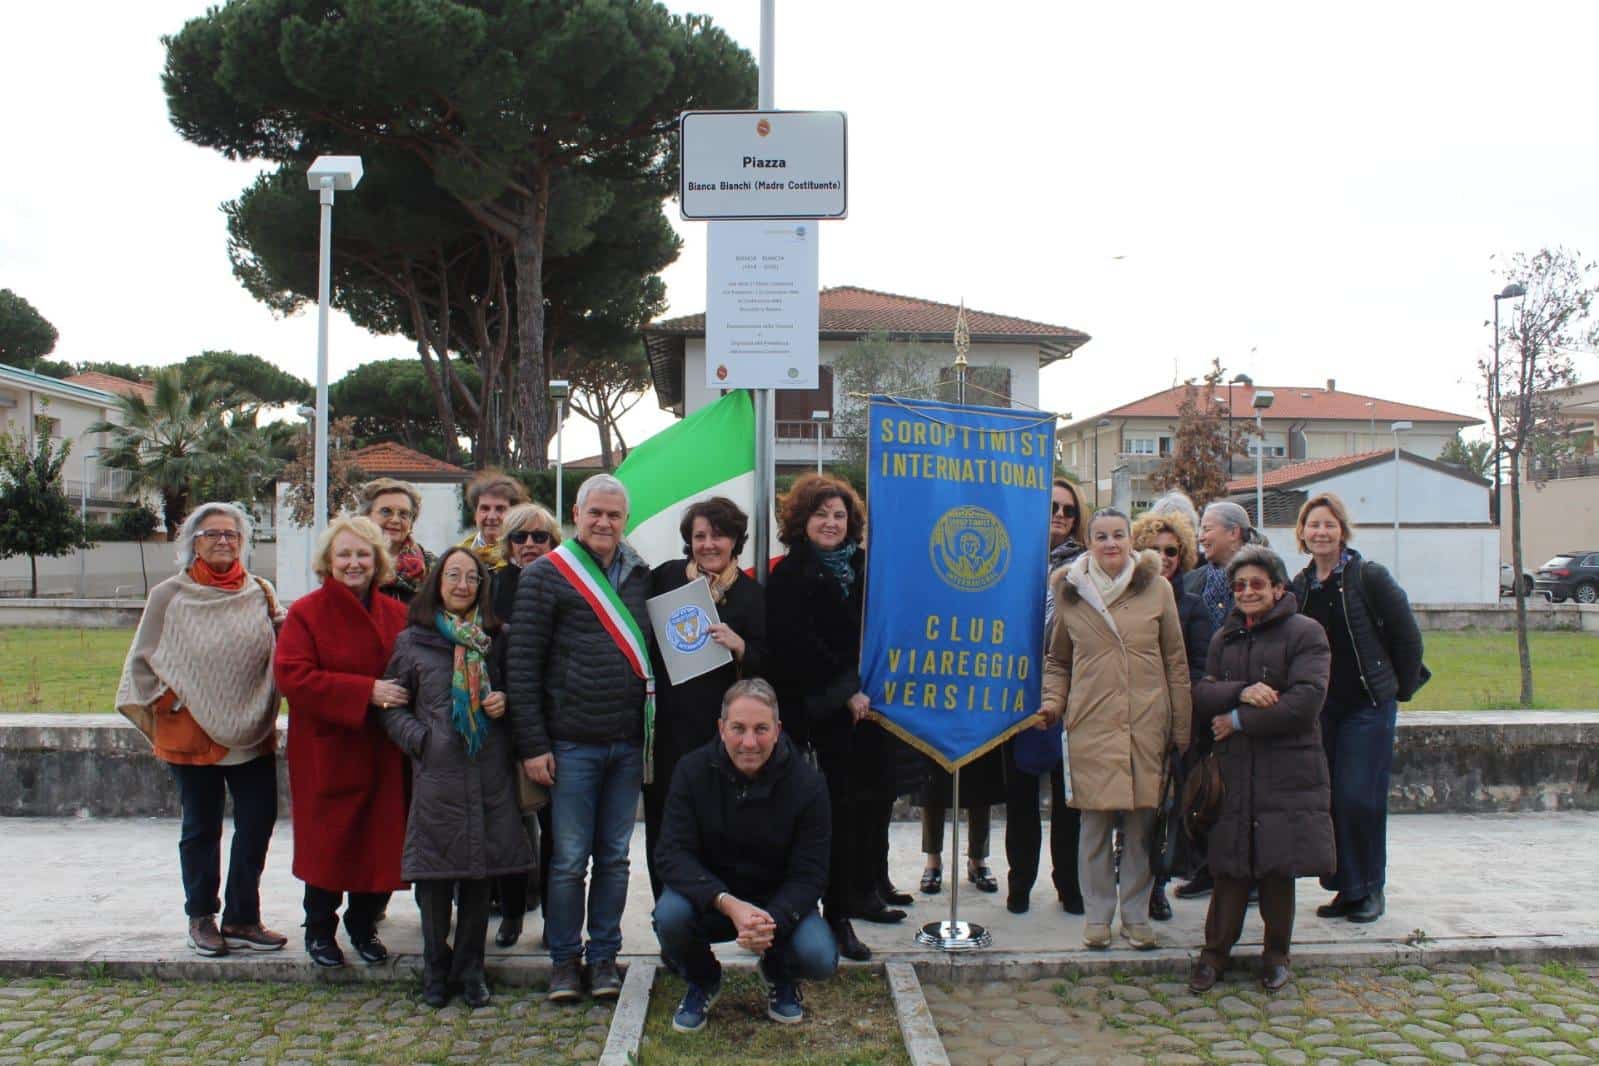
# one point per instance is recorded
(955, 843)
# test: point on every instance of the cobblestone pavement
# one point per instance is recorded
(1361, 1017)
(73, 1021)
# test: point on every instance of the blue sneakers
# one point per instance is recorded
(695, 1007)
(783, 998)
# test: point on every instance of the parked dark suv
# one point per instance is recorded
(1570, 575)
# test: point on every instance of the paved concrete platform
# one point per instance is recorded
(90, 895)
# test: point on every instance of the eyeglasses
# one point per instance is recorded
(228, 535)
(1170, 551)
(1062, 508)
(390, 512)
(1251, 584)
(460, 577)
(537, 536)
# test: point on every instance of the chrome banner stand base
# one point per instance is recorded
(954, 934)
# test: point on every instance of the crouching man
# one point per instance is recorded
(743, 856)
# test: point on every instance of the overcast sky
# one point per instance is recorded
(1305, 191)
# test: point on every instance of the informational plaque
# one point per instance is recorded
(762, 315)
(682, 620)
(764, 164)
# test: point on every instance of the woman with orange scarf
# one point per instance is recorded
(198, 684)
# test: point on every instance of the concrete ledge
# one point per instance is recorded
(69, 613)
(1542, 616)
(916, 1026)
(627, 1020)
(97, 765)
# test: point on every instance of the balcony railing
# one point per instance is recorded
(803, 430)
(1587, 466)
(105, 485)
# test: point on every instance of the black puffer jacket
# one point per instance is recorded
(765, 839)
(567, 679)
(813, 635)
(1386, 637)
(1275, 817)
(465, 822)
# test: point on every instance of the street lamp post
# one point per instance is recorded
(1398, 428)
(1263, 399)
(820, 418)
(1100, 426)
(559, 391)
(83, 518)
(1510, 292)
(327, 174)
(1237, 379)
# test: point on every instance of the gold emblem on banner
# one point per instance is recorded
(970, 548)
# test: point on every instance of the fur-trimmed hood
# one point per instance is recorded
(1067, 582)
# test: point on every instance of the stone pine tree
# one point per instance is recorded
(26, 336)
(500, 100)
(36, 518)
(1553, 318)
(1202, 442)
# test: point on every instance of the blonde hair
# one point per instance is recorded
(383, 486)
(1152, 525)
(530, 516)
(368, 531)
(1330, 501)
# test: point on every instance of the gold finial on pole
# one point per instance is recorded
(963, 335)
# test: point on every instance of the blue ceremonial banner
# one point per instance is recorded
(957, 556)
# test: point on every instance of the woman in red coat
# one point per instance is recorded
(346, 778)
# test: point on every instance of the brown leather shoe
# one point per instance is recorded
(1272, 978)
(204, 937)
(1203, 977)
(255, 937)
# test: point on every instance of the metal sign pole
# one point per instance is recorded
(956, 935)
(765, 399)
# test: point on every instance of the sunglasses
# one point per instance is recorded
(1170, 551)
(1062, 508)
(537, 536)
(1251, 584)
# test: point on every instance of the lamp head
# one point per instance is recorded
(306, 411)
(343, 170)
(560, 389)
(1103, 423)
(1242, 379)
(1403, 426)
(1511, 291)
(1263, 399)
(821, 416)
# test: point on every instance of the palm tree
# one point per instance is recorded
(170, 441)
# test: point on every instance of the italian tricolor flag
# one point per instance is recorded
(709, 453)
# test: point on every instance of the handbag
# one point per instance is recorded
(1202, 797)
(1164, 835)
(531, 796)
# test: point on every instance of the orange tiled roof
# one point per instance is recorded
(1291, 402)
(396, 460)
(113, 384)
(1295, 473)
(851, 309)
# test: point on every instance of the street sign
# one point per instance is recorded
(762, 317)
(763, 165)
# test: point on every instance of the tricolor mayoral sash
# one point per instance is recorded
(583, 574)
(953, 639)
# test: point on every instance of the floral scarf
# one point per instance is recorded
(836, 562)
(1217, 594)
(469, 683)
(719, 583)
(411, 564)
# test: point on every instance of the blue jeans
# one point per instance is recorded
(807, 953)
(202, 791)
(1359, 741)
(591, 812)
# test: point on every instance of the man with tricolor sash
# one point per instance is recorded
(582, 708)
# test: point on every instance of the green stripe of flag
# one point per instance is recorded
(710, 446)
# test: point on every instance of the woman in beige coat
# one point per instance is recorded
(1118, 670)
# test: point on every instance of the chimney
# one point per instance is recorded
(1332, 384)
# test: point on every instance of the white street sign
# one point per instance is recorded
(761, 312)
(763, 164)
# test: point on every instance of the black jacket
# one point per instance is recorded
(813, 630)
(566, 678)
(1386, 637)
(686, 714)
(465, 822)
(764, 840)
(1197, 629)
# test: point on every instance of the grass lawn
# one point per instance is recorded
(76, 670)
(849, 1021)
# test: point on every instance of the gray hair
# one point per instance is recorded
(1257, 555)
(752, 688)
(603, 483)
(1177, 502)
(191, 527)
(1230, 515)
